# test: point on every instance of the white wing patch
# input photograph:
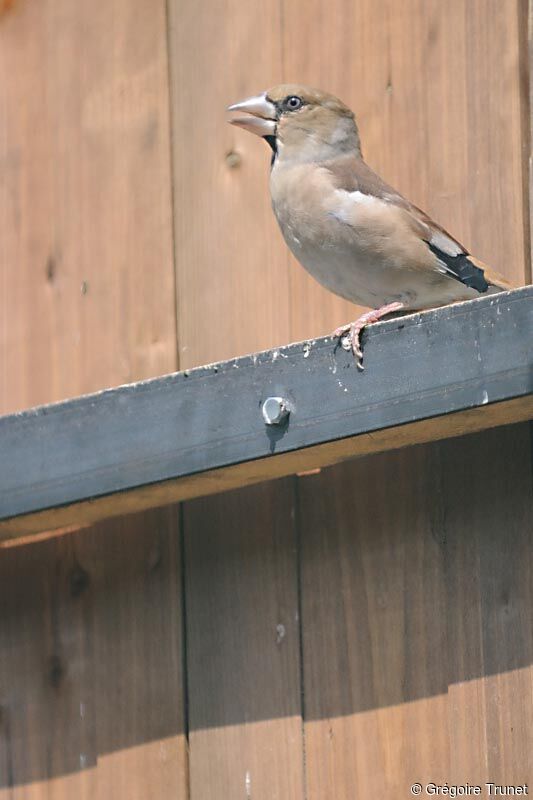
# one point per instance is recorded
(343, 211)
(444, 243)
(364, 199)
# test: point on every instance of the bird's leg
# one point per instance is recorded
(353, 329)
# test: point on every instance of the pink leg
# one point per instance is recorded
(353, 329)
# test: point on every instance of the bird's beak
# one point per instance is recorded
(262, 121)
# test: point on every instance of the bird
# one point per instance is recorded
(355, 234)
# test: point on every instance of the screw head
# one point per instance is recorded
(275, 410)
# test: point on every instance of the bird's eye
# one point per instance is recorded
(293, 103)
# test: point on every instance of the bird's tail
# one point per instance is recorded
(497, 283)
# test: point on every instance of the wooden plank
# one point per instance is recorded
(86, 272)
(231, 262)
(440, 138)
(485, 490)
(233, 298)
(135, 435)
(90, 663)
(372, 586)
(243, 645)
(416, 606)
(87, 301)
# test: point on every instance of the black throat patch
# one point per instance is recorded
(271, 140)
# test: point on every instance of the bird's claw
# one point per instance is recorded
(351, 333)
(350, 339)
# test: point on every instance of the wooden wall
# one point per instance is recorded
(328, 636)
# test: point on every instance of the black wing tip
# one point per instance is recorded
(462, 269)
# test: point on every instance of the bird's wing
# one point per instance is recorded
(352, 174)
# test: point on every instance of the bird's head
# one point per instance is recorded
(300, 123)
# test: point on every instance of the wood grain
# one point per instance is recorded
(231, 263)
(395, 547)
(372, 588)
(489, 545)
(86, 272)
(90, 672)
(438, 92)
(416, 596)
(243, 645)
(90, 663)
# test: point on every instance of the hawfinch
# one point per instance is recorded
(355, 234)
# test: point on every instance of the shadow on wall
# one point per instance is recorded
(90, 658)
(409, 571)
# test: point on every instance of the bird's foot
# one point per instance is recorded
(350, 334)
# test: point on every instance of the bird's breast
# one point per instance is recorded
(357, 248)
(335, 254)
